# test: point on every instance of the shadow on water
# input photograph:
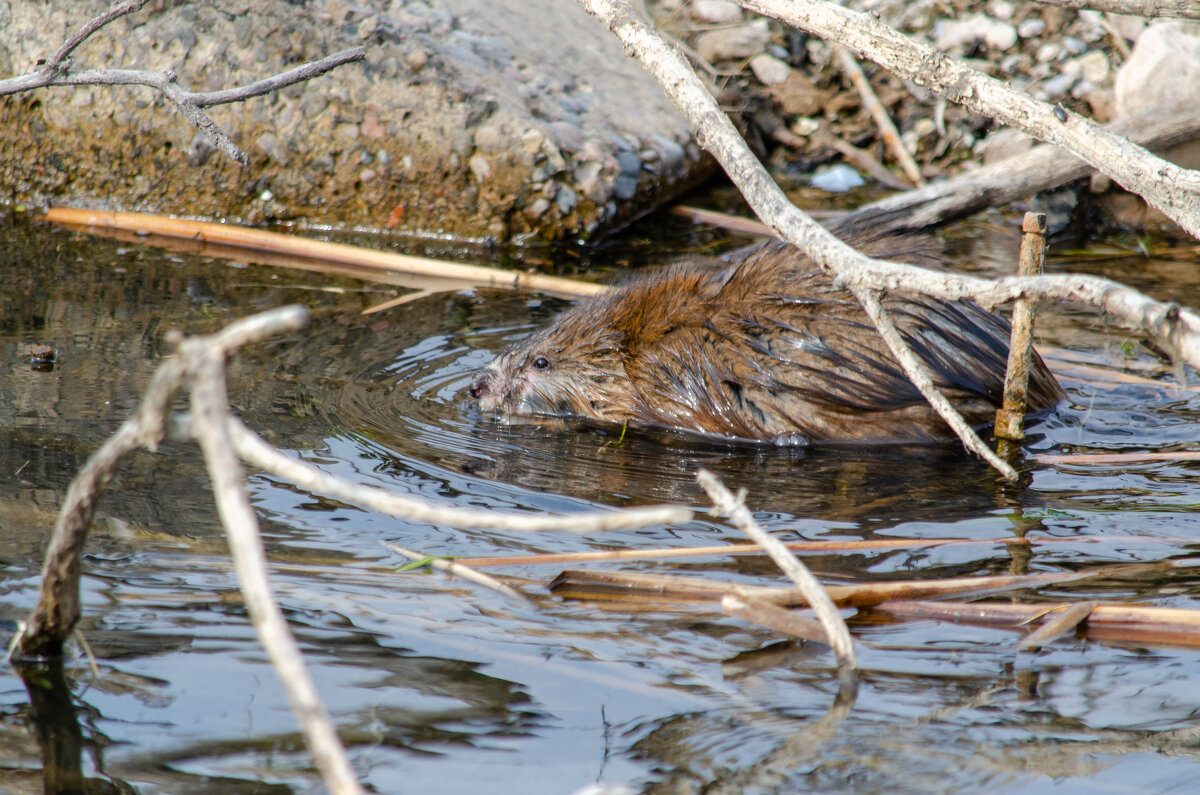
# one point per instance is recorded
(433, 682)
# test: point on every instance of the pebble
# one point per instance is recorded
(1031, 28)
(952, 34)
(1163, 69)
(769, 70)
(1092, 66)
(715, 12)
(480, 167)
(566, 200)
(744, 41)
(624, 187)
(538, 208)
(416, 60)
(270, 144)
(837, 178)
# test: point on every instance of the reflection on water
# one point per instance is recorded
(431, 681)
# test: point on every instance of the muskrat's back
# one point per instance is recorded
(766, 349)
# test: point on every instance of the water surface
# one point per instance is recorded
(435, 684)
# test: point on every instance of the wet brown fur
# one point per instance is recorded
(766, 349)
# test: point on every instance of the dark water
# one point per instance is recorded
(436, 685)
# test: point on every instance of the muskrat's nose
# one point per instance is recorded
(480, 384)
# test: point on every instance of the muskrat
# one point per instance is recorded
(769, 348)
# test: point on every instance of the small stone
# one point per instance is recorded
(804, 126)
(837, 178)
(1049, 51)
(1005, 143)
(346, 131)
(951, 34)
(273, 148)
(625, 187)
(416, 60)
(568, 135)
(480, 167)
(629, 163)
(367, 175)
(372, 128)
(1001, 9)
(744, 41)
(489, 138)
(1074, 45)
(1093, 66)
(769, 70)
(538, 208)
(715, 12)
(1031, 28)
(566, 200)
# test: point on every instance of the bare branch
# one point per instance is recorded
(1187, 9)
(210, 406)
(919, 374)
(299, 74)
(1041, 168)
(797, 572)
(1173, 190)
(253, 450)
(116, 12)
(57, 73)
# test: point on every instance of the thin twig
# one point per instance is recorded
(1185, 9)
(253, 450)
(883, 121)
(116, 12)
(459, 570)
(210, 407)
(57, 72)
(822, 605)
(1010, 417)
(919, 374)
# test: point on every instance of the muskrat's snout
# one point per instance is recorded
(482, 384)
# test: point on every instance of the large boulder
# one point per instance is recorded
(475, 120)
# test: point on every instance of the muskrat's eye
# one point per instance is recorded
(541, 362)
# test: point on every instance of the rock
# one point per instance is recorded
(769, 70)
(1163, 69)
(715, 12)
(744, 41)
(462, 113)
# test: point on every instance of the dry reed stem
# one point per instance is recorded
(261, 240)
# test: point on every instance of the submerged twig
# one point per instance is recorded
(458, 569)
